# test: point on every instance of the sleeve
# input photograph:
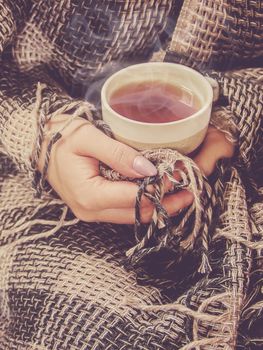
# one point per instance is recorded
(223, 40)
(239, 112)
(12, 17)
(27, 99)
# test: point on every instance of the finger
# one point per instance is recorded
(172, 204)
(103, 194)
(116, 155)
(168, 183)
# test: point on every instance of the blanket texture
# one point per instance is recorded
(66, 284)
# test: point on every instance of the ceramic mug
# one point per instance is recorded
(184, 135)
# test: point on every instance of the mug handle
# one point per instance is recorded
(215, 86)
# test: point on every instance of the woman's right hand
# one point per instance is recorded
(74, 174)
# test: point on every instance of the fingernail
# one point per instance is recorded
(144, 167)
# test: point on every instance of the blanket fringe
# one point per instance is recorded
(197, 315)
(47, 234)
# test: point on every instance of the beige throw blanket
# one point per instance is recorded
(66, 284)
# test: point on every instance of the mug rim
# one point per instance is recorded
(134, 66)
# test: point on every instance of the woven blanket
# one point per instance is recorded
(66, 284)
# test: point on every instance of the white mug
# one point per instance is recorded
(184, 135)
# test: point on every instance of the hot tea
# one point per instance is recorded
(154, 102)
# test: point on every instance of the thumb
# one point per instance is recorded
(116, 155)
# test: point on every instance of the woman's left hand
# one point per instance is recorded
(214, 147)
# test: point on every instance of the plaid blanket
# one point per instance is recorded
(67, 284)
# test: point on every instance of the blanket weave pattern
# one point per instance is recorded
(70, 285)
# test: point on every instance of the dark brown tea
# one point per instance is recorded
(154, 102)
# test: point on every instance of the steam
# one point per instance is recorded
(103, 47)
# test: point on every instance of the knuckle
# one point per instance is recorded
(119, 153)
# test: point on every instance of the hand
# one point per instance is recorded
(214, 147)
(74, 174)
